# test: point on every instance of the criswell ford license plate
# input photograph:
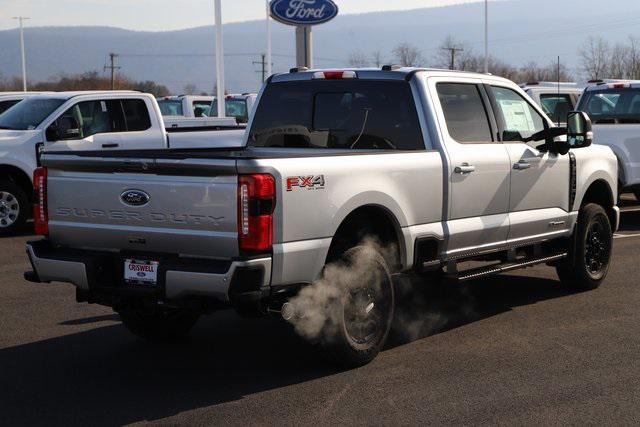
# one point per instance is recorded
(137, 271)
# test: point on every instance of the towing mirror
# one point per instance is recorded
(579, 133)
(66, 127)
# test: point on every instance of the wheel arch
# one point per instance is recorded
(599, 191)
(367, 220)
(18, 176)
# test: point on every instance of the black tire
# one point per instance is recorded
(14, 207)
(158, 325)
(589, 256)
(363, 314)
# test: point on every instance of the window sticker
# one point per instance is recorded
(103, 105)
(517, 115)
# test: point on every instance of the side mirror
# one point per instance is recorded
(66, 127)
(579, 133)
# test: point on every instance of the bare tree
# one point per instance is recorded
(407, 55)
(358, 60)
(376, 58)
(190, 89)
(595, 57)
(632, 59)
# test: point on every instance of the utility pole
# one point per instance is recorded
(112, 67)
(453, 50)
(264, 65)
(24, 63)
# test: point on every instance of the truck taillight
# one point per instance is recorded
(40, 214)
(256, 202)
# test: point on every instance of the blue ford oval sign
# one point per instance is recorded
(303, 12)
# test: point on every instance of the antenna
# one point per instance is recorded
(558, 76)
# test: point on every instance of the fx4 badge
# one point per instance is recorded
(310, 182)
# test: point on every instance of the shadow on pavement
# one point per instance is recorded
(629, 221)
(105, 376)
(94, 319)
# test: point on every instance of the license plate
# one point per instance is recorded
(142, 272)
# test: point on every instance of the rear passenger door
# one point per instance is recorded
(539, 190)
(478, 166)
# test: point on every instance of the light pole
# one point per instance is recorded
(269, 70)
(24, 64)
(486, 36)
(219, 59)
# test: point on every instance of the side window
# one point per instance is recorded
(556, 106)
(519, 118)
(136, 114)
(464, 112)
(93, 117)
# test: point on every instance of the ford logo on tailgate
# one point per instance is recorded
(134, 198)
(303, 12)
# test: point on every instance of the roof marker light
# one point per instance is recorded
(334, 75)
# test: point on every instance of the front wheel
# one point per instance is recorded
(589, 256)
(363, 312)
(158, 325)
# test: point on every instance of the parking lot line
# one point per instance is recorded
(620, 236)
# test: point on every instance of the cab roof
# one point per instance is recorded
(73, 94)
(387, 72)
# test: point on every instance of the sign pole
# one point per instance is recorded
(269, 70)
(219, 59)
(304, 46)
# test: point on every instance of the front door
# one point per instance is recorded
(539, 189)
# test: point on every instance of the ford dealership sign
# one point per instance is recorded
(303, 12)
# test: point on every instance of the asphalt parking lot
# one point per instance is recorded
(513, 349)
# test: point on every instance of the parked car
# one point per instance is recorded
(86, 121)
(555, 99)
(186, 105)
(614, 107)
(350, 181)
(238, 106)
(9, 99)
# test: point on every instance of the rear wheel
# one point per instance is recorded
(158, 325)
(589, 256)
(363, 312)
(13, 207)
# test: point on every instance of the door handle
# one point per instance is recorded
(110, 145)
(464, 168)
(522, 164)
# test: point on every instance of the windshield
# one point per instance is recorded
(5, 105)
(236, 108)
(29, 113)
(170, 107)
(611, 106)
(348, 114)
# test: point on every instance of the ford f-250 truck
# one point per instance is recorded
(89, 120)
(614, 107)
(442, 167)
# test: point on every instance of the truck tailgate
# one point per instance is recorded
(185, 207)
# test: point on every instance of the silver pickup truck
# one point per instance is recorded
(348, 180)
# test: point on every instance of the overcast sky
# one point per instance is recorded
(156, 15)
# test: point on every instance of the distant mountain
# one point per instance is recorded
(520, 30)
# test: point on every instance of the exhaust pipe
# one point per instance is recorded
(287, 311)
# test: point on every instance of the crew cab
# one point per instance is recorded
(614, 106)
(94, 120)
(348, 182)
(556, 99)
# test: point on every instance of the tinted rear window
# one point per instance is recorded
(348, 114)
(464, 112)
(611, 106)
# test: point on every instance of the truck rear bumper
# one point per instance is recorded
(178, 278)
